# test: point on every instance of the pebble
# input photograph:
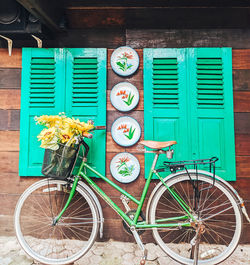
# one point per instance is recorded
(111, 253)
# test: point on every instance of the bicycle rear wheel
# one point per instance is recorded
(71, 237)
(217, 210)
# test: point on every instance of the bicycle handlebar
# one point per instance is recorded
(89, 135)
(100, 128)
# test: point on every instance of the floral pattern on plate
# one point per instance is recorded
(125, 167)
(124, 61)
(126, 131)
(124, 96)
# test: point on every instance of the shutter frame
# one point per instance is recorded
(30, 164)
(62, 104)
(95, 110)
(220, 116)
(214, 123)
(170, 116)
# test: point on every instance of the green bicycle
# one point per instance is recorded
(195, 216)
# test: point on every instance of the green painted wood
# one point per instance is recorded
(193, 105)
(86, 97)
(42, 92)
(211, 113)
(164, 100)
(50, 84)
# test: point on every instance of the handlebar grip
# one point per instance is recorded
(87, 135)
(100, 127)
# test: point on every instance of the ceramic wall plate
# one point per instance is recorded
(124, 96)
(125, 167)
(124, 61)
(126, 131)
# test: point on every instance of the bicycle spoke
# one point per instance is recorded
(215, 210)
(75, 231)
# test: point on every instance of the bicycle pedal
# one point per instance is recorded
(143, 262)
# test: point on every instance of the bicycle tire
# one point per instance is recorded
(222, 232)
(71, 237)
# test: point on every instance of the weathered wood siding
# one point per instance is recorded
(10, 80)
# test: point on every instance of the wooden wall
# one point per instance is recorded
(10, 79)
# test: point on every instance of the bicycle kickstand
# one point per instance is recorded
(140, 244)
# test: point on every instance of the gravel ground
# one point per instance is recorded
(111, 253)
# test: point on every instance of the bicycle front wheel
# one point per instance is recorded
(60, 243)
(217, 210)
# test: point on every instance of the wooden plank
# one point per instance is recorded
(242, 185)
(242, 123)
(242, 101)
(9, 120)
(18, 184)
(91, 38)
(113, 115)
(136, 79)
(10, 78)
(112, 146)
(242, 166)
(182, 38)
(4, 119)
(9, 141)
(241, 80)
(84, 4)
(110, 106)
(9, 162)
(95, 18)
(241, 59)
(140, 54)
(156, 17)
(10, 98)
(242, 144)
(13, 61)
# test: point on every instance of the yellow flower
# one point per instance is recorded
(65, 135)
(47, 134)
(60, 129)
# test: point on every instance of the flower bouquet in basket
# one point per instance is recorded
(60, 138)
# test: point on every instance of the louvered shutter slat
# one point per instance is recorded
(209, 97)
(165, 82)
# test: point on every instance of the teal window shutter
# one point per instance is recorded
(165, 106)
(193, 107)
(86, 96)
(61, 80)
(42, 92)
(211, 105)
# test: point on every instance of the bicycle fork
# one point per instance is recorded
(71, 194)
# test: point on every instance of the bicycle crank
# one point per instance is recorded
(131, 215)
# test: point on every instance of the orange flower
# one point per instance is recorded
(128, 55)
(123, 160)
(122, 126)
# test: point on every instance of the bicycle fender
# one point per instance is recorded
(192, 171)
(98, 205)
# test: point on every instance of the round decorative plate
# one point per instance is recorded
(125, 167)
(124, 61)
(126, 131)
(124, 96)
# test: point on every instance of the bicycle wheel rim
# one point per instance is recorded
(72, 236)
(171, 250)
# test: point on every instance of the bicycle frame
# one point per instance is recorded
(132, 223)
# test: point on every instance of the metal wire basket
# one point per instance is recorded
(59, 163)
